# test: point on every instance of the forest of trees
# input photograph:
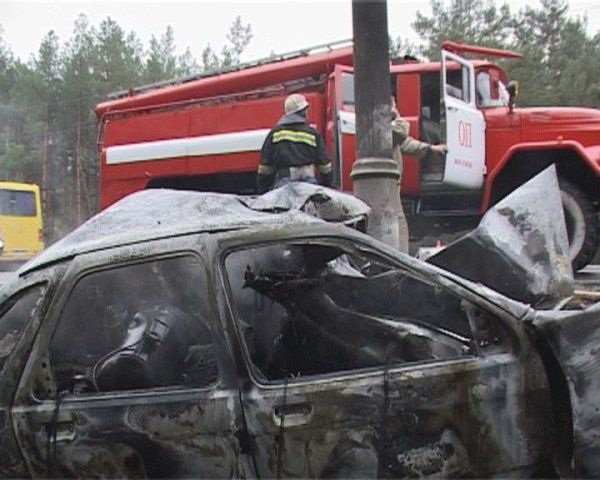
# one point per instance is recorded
(47, 121)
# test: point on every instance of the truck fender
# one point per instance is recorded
(590, 155)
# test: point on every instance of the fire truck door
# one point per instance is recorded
(465, 124)
(345, 126)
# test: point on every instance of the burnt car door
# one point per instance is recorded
(128, 377)
(361, 368)
(22, 306)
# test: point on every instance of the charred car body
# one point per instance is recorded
(184, 334)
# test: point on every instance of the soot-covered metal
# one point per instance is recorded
(520, 247)
(245, 339)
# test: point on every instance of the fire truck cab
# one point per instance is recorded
(206, 132)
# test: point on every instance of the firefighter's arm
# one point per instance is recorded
(409, 145)
(266, 172)
(412, 146)
(323, 163)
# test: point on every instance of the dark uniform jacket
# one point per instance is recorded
(291, 143)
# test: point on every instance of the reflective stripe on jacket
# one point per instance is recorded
(293, 143)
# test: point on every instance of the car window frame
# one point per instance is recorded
(86, 264)
(360, 245)
(50, 277)
(11, 302)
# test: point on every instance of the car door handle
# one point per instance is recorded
(292, 415)
(65, 432)
(452, 109)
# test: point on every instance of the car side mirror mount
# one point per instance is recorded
(513, 90)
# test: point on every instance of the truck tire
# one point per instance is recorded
(583, 227)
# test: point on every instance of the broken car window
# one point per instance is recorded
(306, 309)
(15, 315)
(134, 327)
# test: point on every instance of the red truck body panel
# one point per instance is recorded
(232, 82)
(215, 125)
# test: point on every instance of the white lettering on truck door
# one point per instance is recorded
(465, 124)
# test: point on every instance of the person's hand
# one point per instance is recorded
(442, 149)
(394, 111)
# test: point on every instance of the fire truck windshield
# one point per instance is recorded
(484, 92)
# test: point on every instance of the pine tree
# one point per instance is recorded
(47, 120)
(161, 63)
(239, 37)
(561, 65)
(77, 103)
(7, 73)
(117, 58)
(469, 21)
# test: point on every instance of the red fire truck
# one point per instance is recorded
(206, 132)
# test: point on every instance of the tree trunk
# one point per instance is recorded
(45, 163)
(78, 167)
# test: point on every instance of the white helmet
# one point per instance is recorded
(295, 103)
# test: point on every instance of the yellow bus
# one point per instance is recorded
(21, 226)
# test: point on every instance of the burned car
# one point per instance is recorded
(184, 334)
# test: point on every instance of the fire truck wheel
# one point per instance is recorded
(583, 227)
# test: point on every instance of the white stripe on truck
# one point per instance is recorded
(246, 141)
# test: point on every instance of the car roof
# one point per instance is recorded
(157, 214)
(160, 213)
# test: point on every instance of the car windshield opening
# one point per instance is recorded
(306, 309)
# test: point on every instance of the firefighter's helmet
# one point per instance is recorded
(295, 103)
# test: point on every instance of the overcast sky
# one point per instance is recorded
(279, 26)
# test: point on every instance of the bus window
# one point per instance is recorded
(17, 203)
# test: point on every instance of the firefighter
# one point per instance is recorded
(407, 144)
(403, 144)
(292, 149)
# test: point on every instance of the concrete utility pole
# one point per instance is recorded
(375, 174)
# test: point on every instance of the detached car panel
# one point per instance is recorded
(209, 339)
